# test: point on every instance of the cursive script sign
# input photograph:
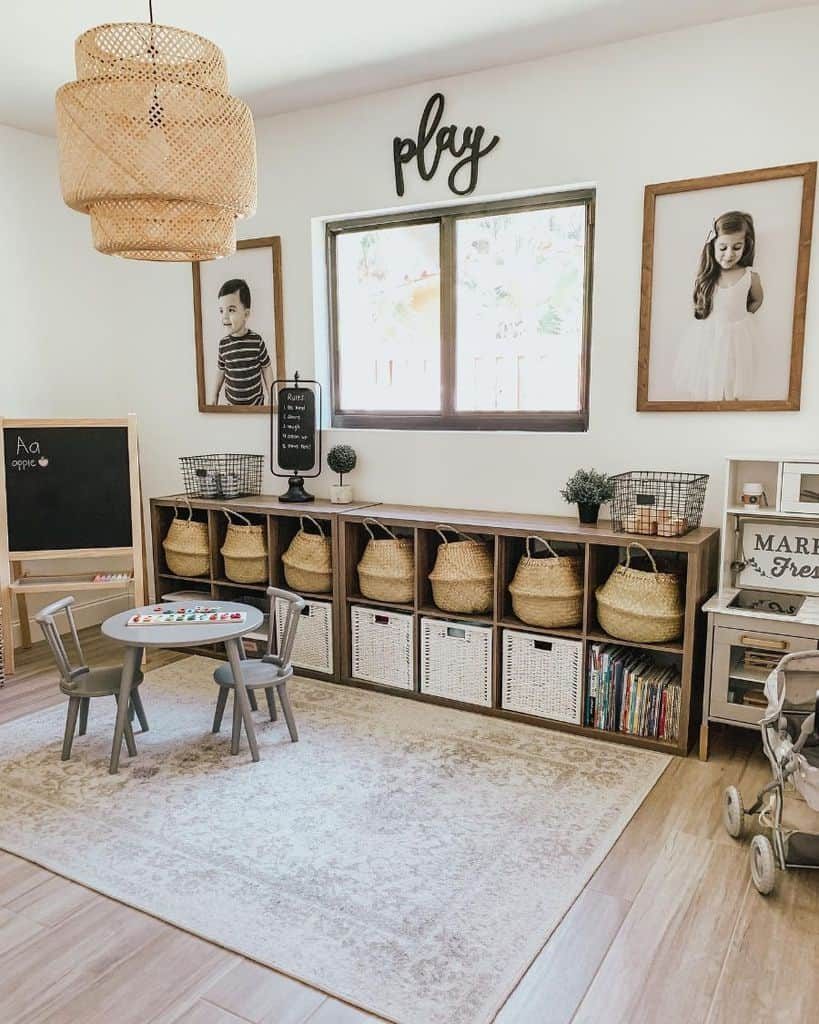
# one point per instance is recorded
(468, 151)
(780, 557)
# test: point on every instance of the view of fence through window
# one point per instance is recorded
(389, 319)
(516, 282)
(519, 305)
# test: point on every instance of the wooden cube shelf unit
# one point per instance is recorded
(281, 522)
(600, 548)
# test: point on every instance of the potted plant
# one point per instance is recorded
(341, 459)
(588, 489)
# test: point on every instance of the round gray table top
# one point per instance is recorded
(187, 635)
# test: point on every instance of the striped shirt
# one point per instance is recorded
(241, 360)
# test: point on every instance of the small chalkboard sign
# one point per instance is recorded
(297, 429)
(294, 435)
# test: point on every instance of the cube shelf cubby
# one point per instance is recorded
(694, 556)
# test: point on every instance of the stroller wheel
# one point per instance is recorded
(733, 812)
(763, 865)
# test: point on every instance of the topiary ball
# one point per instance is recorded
(341, 459)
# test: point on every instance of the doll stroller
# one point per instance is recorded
(790, 739)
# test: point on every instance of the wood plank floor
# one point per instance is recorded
(669, 929)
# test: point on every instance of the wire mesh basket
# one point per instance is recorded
(657, 503)
(222, 476)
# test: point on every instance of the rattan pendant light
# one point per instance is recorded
(152, 146)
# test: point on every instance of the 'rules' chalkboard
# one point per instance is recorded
(67, 488)
(296, 448)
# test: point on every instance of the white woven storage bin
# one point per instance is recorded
(382, 647)
(314, 637)
(456, 661)
(542, 676)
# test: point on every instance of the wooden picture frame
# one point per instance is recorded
(785, 317)
(270, 327)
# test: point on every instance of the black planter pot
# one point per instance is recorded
(588, 512)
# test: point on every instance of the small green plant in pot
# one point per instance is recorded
(588, 489)
(341, 459)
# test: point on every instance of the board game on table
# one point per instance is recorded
(193, 616)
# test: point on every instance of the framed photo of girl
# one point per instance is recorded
(724, 286)
(239, 327)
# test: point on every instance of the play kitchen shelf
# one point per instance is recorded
(767, 604)
(486, 660)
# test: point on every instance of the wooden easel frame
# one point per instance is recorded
(10, 561)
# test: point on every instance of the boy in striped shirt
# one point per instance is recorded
(243, 362)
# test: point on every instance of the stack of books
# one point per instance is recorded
(628, 692)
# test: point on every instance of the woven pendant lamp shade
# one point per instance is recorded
(153, 147)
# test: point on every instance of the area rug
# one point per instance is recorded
(408, 858)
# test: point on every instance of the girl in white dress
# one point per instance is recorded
(717, 360)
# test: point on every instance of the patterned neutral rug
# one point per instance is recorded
(408, 858)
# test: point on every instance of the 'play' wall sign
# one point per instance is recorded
(780, 557)
(468, 151)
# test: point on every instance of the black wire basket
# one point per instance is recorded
(222, 476)
(657, 503)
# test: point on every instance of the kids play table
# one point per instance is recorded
(137, 638)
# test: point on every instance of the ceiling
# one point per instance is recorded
(285, 56)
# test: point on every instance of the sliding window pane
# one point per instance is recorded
(389, 319)
(520, 281)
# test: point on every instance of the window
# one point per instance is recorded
(474, 317)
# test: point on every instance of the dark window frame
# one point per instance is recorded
(448, 418)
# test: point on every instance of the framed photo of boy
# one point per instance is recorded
(723, 289)
(239, 327)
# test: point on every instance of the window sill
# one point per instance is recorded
(538, 422)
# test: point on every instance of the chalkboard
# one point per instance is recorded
(67, 488)
(296, 448)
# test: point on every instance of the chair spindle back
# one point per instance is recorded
(295, 604)
(46, 618)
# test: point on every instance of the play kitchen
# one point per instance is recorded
(767, 604)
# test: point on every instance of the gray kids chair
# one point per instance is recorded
(269, 673)
(82, 683)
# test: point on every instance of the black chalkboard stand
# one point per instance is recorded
(294, 437)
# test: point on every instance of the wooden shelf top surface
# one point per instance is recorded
(517, 522)
(559, 527)
(261, 503)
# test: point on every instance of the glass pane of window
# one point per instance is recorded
(519, 292)
(389, 319)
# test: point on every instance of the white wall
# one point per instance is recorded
(117, 336)
(60, 302)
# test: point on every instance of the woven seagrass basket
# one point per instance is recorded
(387, 568)
(308, 561)
(187, 551)
(548, 591)
(462, 575)
(645, 607)
(244, 550)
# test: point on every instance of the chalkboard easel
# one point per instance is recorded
(68, 489)
(295, 441)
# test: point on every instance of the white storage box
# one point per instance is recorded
(456, 661)
(542, 676)
(314, 637)
(382, 647)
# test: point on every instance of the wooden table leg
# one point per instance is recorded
(240, 694)
(133, 657)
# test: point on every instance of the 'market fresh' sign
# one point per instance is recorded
(780, 557)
